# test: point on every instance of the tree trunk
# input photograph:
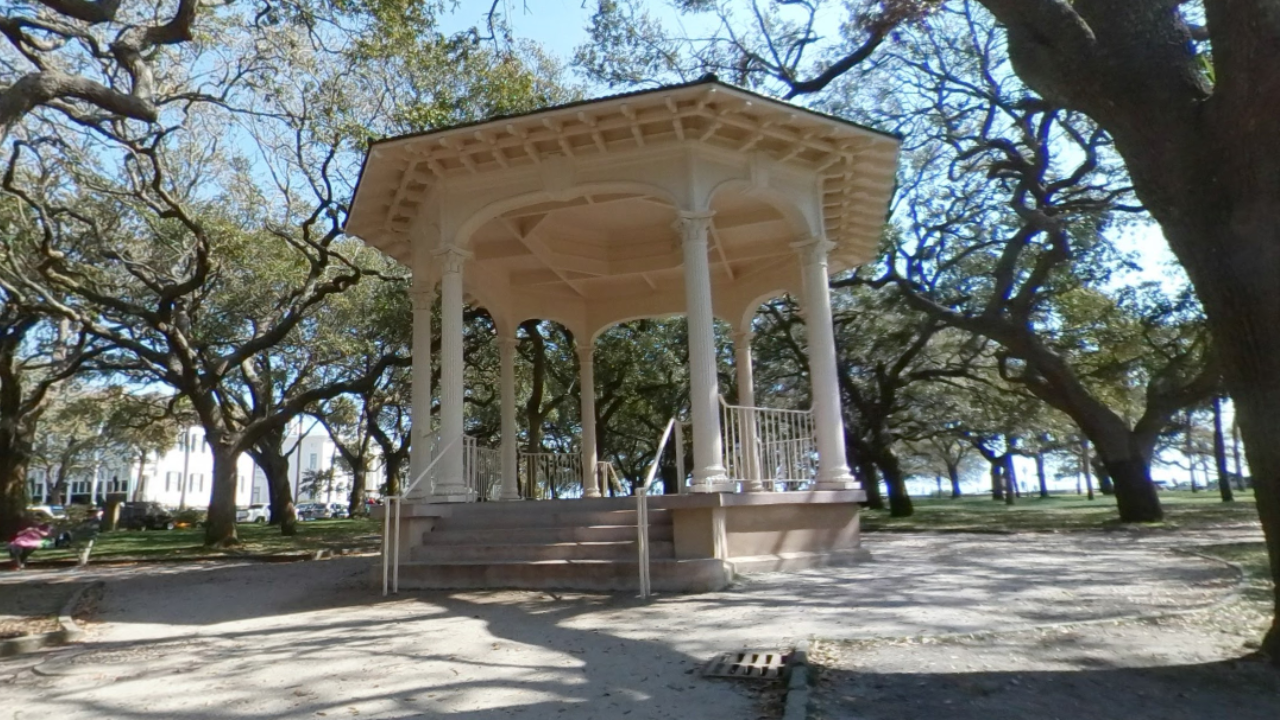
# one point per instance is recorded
(997, 479)
(1106, 485)
(1010, 479)
(13, 486)
(1084, 467)
(1220, 452)
(1189, 451)
(270, 458)
(953, 473)
(356, 506)
(870, 479)
(1044, 483)
(899, 499)
(391, 465)
(140, 489)
(1259, 414)
(220, 526)
(1235, 454)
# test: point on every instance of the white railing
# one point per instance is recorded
(391, 527)
(764, 447)
(550, 475)
(482, 469)
(642, 512)
(607, 477)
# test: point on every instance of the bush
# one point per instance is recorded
(190, 517)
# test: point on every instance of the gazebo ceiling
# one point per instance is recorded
(575, 205)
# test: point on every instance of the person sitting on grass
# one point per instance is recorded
(27, 541)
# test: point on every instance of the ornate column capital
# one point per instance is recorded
(694, 226)
(586, 352)
(423, 296)
(742, 339)
(813, 250)
(451, 258)
(508, 343)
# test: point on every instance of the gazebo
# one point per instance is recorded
(702, 199)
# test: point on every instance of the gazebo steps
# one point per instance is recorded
(525, 515)
(591, 575)
(547, 535)
(538, 552)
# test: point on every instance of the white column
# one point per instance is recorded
(833, 469)
(587, 393)
(510, 469)
(747, 398)
(742, 361)
(424, 296)
(704, 401)
(451, 485)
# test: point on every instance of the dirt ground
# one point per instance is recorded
(1194, 665)
(314, 639)
(31, 608)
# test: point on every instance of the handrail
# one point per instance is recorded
(607, 475)
(392, 505)
(642, 512)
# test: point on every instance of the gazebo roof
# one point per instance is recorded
(571, 206)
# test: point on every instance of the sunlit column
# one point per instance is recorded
(424, 297)
(833, 468)
(747, 399)
(510, 471)
(450, 483)
(708, 454)
(587, 393)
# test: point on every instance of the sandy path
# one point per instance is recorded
(313, 639)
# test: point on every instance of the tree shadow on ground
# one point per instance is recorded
(1234, 689)
(312, 652)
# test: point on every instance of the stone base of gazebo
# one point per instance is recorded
(698, 543)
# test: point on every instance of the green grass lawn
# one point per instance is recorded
(1058, 513)
(257, 540)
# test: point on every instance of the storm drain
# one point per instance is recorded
(749, 665)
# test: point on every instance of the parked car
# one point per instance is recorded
(312, 511)
(337, 510)
(256, 513)
(145, 516)
(48, 512)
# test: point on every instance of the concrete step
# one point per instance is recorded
(591, 575)
(590, 533)
(537, 552)
(541, 515)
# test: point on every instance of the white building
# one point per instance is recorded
(182, 475)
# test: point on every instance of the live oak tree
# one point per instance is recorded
(1185, 89)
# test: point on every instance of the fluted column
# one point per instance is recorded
(747, 398)
(510, 470)
(704, 389)
(450, 485)
(587, 393)
(833, 468)
(420, 446)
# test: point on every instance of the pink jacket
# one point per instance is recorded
(31, 537)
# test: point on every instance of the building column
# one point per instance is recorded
(451, 484)
(704, 399)
(424, 297)
(510, 468)
(747, 398)
(587, 393)
(833, 468)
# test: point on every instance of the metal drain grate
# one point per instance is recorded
(749, 665)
